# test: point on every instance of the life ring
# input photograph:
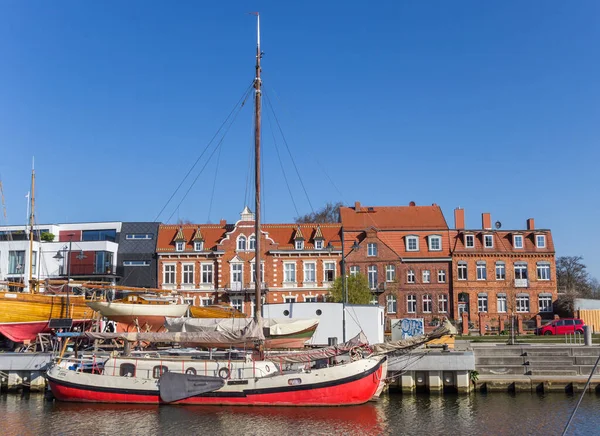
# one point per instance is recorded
(224, 373)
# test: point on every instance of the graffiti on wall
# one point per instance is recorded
(407, 328)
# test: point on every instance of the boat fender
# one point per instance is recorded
(224, 373)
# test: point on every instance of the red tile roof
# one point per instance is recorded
(212, 233)
(393, 217)
(283, 234)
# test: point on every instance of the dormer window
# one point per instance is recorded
(540, 241)
(241, 243)
(412, 243)
(372, 249)
(198, 246)
(435, 243)
(488, 241)
(252, 242)
(299, 244)
(518, 241)
(469, 241)
(319, 244)
(179, 246)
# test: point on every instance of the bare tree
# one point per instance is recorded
(330, 213)
(183, 221)
(573, 282)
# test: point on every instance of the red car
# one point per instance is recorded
(562, 327)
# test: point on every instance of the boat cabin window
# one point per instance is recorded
(190, 371)
(159, 370)
(127, 370)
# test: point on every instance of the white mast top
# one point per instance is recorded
(258, 31)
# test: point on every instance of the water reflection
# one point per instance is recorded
(497, 414)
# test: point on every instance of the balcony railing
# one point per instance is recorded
(244, 287)
(521, 283)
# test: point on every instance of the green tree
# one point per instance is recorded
(47, 236)
(330, 213)
(358, 290)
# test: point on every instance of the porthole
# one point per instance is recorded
(286, 312)
(319, 312)
(191, 371)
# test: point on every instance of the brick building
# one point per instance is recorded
(208, 264)
(405, 253)
(497, 272)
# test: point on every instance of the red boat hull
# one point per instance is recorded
(353, 390)
(28, 331)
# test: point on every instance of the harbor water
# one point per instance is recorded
(475, 414)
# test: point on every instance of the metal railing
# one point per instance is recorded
(575, 338)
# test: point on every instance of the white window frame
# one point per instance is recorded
(253, 271)
(442, 303)
(543, 271)
(167, 272)
(521, 266)
(372, 274)
(198, 245)
(135, 263)
(289, 272)
(206, 301)
(462, 266)
(371, 249)
(391, 302)
(236, 269)
(299, 245)
(482, 303)
(390, 273)
(539, 238)
(185, 273)
(520, 244)
(289, 299)
(427, 303)
(500, 267)
(354, 270)
(481, 270)
(306, 271)
(501, 303)
(138, 236)
(470, 237)
(318, 244)
(237, 303)
(411, 303)
(207, 268)
(252, 242)
(545, 303)
(409, 240)
(410, 276)
(426, 276)
(441, 276)
(328, 265)
(241, 243)
(433, 238)
(523, 304)
(310, 299)
(179, 246)
(486, 239)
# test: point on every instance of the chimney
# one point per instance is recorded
(356, 206)
(530, 224)
(486, 221)
(223, 223)
(459, 218)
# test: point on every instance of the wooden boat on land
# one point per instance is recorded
(215, 311)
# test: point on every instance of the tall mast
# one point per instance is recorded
(257, 121)
(31, 221)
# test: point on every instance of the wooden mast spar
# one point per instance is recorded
(31, 222)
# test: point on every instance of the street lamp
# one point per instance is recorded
(355, 246)
(67, 259)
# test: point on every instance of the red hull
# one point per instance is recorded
(359, 390)
(27, 331)
(127, 323)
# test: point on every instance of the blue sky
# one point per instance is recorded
(491, 106)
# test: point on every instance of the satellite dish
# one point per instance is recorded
(498, 224)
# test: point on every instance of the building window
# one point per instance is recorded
(241, 242)
(522, 303)
(188, 274)
(104, 261)
(300, 245)
(545, 302)
(442, 276)
(426, 276)
(169, 274)
(198, 246)
(500, 271)
(482, 303)
(310, 272)
(390, 273)
(443, 303)
(136, 263)
(253, 272)
(392, 304)
(329, 271)
(252, 242)
(374, 300)
(99, 235)
(289, 299)
(289, 272)
(237, 272)
(319, 244)
(205, 301)
(435, 243)
(481, 270)
(412, 243)
(520, 270)
(411, 303)
(237, 303)
(518, 241)
(469, 241)
(462, 270)
(134, 236)
(488, 241)
(540, 241)
(543, 270)
(34, 262)
(501, 303)
(371, 249)
(354, 270)
(310, 299)
(179, 246)
(372, 275)
(410, 276)
(427, 303)
(207, 273)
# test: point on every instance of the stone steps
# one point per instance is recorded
(560, 372)
(501, 370)
(499, 360)
(541, 359)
